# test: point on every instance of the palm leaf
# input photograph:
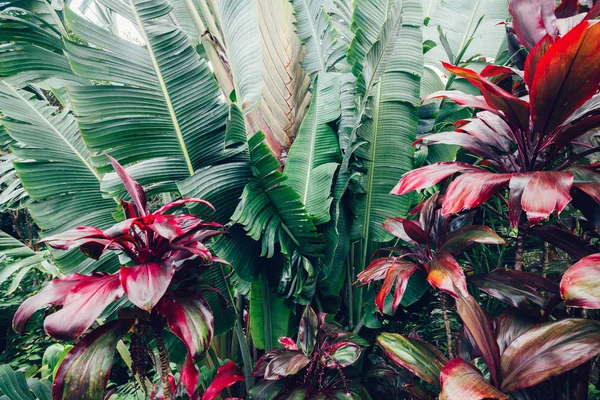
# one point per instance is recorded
(318, 34)
(242, 40)
(20, 258)
(315, 154)
(162, 94)
(49, 148)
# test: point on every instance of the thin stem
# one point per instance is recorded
(165, 369)
(447, 325)
(578, 157)
(521, 232)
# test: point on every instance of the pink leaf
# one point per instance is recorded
(145, 284)
(532, 20)
(463, 381)
(445, 274)
(580, 285)
(545, 192)
(429, 175)
(227, 375)
(471, 190)
(135, 190)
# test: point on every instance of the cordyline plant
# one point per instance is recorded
(516, 350)
(312, 367)
(166, 253)
(524, 142)
(432, 243)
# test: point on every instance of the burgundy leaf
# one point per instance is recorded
(145, 284)
(189, 376)
(564, 240)
(190, 318)
(488, 128)
(594, 12)
(285, 363)
(471, 190)
(307, 332)
(429, 175)
(567, 8)
(567, 76)
(83, 299)
(463, 381)
(84, 372)
(532, 20)
(418, 356)
(534, 57)
(445, 274)
(227, 375)
(516, 186)
(548, 350)
(580, 285)
(134, 189)
(469, 142)
(515, 109)
(464, 99)
(577, 128)
(406, 229)
(457, 241)
(545, 192)
(479, 325)
(509, 326)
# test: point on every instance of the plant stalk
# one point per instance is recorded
(447, 325)
(165, 369)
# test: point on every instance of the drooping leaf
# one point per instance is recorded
(145, 284)
(509, 326)
(22, 257)
(307, 331)
(242, 39)
(462, 380)
(445, 273)
(226, 376)
(548, 350)
(190, 318)
(13, 384)
(84, 372)
(459, 240)
(266, 306)
(532, 20)
(579, 286)
(83, 299)
(315, 155)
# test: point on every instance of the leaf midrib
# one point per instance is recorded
(315, 37)
(163, 88)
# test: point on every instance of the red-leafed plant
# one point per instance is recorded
(432, 242)
(524, 143)
(163, 257)
(313, 367)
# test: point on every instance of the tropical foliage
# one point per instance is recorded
(288, 199)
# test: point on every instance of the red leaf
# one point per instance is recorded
(509, 326)
(445, 274)
(471, 190)
(594, 12)
(469, 142)
(532, 20)
(548, 350)
(227, 375)
(429, 175)
(135, 190)
(376, 270)
(179, 202)
(534, 58)
(516, 186)
(189, 376)
(398, 273)
(407, 230)
(515, 109)
(490, 129)
(84, 371)
(190, 318)
(567, 8)
(459, 240)
(567, 76)
(284, 364)
(83, 299)
(463, 99)
(288, 343)
(479, 325)
(564, 240)
(545, 192)
(465, 382)
(580, 285)
(145, 284)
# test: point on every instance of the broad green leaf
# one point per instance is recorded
(161, 92)
(21, 257)
(41, 388)
(387, 132)
(419, 357)
(269, 315)
(13, 384)
(319, 35)
(242, 40)
(367, 19)
(49, 148)
(458, 19)
(271, 208)
(548, 350)
(315, 154)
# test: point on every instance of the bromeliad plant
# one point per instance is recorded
(432, 242)
(312, 367)
(525, 143)
(163, 257)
